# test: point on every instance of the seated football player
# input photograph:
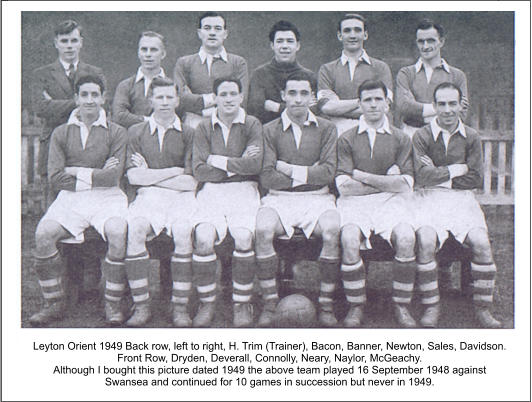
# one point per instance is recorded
(227, 158)
(160, 166)
(86, 161)
(448, 165)
(374, 166)
(299, 166)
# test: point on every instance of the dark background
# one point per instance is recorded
(479, 43)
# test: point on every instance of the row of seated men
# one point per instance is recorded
(200, 184)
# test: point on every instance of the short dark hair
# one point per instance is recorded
(211, 14)
(352, 16)
(368, 85)
(160, 82)
(152, 34)
(66, 27)
(449, 85)
(219, 81)
(427, 24)
(301, 76)
(283, 26)
(85, 79)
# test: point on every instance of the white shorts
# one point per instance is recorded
(448, 210)
(228, 205)
(299, 209)
(162, 207)
(77, 210)
(379, 213)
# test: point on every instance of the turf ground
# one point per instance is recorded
(86, 308)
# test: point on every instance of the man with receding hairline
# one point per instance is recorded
(195, 74)
(416, 83)
(131, 104)
(339, 80)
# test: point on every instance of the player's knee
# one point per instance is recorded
(243, 239)
(404, 239)
(182, 235)
(265, 226)
(115, 229)
(204, 239)
(350, 237)
(137, 231)
(426, 243)
(329, 223)
(47, 234)
(478, 240)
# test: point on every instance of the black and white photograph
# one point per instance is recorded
(279, 175)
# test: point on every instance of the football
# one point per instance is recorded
(295, 311)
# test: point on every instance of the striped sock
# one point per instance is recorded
(483, 283)
(328, 275)
(266, 271)
(354, 280)
(181, 267)
(48, 271)
(137, 274)
(204, 271)
(115, 278)
(404, 276)
(243, 273)
(428, 283)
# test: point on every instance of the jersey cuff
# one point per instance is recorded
(299, 175)
(446, 184)
(208, 100)
(218, 161)
(341, 180)
(84, 179)
(208, 112)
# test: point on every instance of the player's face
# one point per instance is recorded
(212, 32)
(151, 52)
(352, 35)
(297, 95)
(228, 98)
(373, 104)
(89, 98)
(429, 43)
(69, 45)
(285, 46)
(164, 100)
(448, 108)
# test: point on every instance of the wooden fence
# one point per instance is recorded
(493, 118)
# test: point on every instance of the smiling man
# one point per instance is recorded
(160, 166)
(416, 83)
(448, 166)
(52, 87)
(131, 104)
(87, 156)
(299, 166)
(338, 80)
(374, 167)
(195, 74)
(227, 159)
(267, 80)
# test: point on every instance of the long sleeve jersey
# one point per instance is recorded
(317, 151)
(267, 83)
(209, 140)
(461, 149)
(66, 150)
(193, 79)
(413, 90)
